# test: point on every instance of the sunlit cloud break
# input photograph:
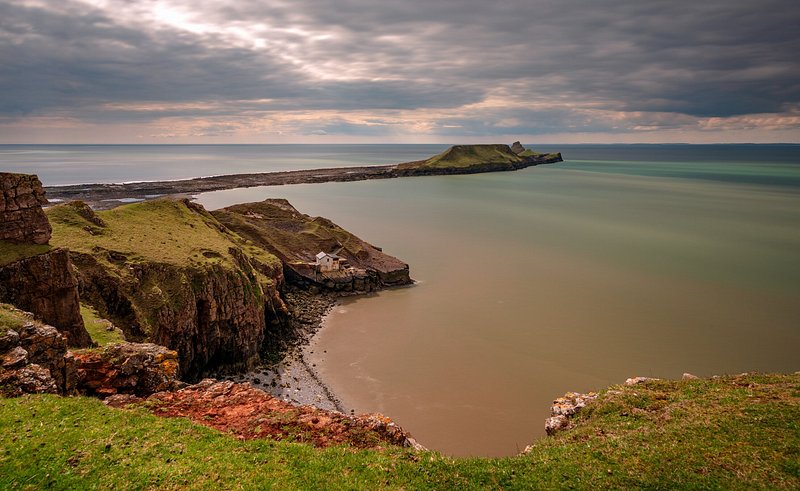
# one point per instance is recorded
(103, 71)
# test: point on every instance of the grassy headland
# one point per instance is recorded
(734, 432)
(162, 231)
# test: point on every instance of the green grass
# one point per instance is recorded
(738, 432)
(291, 235)
(11, 252)
(162, 231)
(98, 327)
(461, 156)
(10, 319)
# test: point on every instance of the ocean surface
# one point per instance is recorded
(625, 260)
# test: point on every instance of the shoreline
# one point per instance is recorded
(294, 378)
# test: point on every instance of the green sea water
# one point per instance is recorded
(555, 278)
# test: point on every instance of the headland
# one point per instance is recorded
(459, 159)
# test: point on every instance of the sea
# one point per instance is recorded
(622, 261)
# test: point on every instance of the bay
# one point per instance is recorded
(624, 260)
(565, 277)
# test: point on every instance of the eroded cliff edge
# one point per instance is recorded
(33, 275)
(171, 273)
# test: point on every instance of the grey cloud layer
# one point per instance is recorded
(713, 58)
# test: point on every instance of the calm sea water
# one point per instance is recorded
(625, 260)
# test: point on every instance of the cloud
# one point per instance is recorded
(443, 67)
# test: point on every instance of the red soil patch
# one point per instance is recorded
(249, 413)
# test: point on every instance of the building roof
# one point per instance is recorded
(323, 254)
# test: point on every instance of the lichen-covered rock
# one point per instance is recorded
(638, 380)
(32, 344)
(30, 379)
(565, 408)
(127, 368)
(16, 358)
(21, 217)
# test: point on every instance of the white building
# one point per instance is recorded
(328, 262)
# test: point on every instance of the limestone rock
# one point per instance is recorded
(30, 379)
(14, 359)
(21, 216)
(46, 286)
(517, 148)
(554, 424)
(638, 380)
(128, 368)
(689, 376)
(35, 345)
(565, 408)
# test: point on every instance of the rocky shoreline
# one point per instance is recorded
(290, 377)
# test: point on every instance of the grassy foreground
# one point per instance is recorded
(739, 432)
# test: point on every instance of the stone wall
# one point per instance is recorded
(21, 214)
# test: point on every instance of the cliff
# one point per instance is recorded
(45, 285)
(21, 215)
(296, 238)
(169, 273)
(33, 276)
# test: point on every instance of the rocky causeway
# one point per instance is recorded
(459, 159)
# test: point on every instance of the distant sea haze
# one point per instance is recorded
(623, 260)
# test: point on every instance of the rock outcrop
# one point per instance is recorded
(34, 359)
(39, 281)
(21, 215)
(33, 356)
(251, 413)
(128, 368)
(517, 148)
(296, 238)
(45, 285)
(564, 408)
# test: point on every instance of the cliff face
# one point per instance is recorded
(21, 214)
(167, 272)
(32, 276)
(45, 285)
(215, 317)
(295, 238)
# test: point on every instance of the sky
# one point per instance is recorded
(411, 71)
